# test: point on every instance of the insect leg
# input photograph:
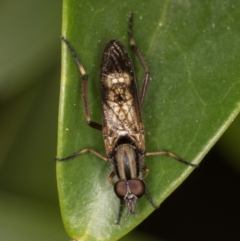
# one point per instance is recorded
(84, 85)
(146, 171)
(140, 57)
(168, 153)
(150, 198)
(111, 176)
(80, 153)
(120, 211)
(146, 189)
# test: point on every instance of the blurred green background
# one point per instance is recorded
(29, 92)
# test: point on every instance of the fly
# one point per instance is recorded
(122, 127)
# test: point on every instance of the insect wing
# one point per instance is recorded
(120, 100)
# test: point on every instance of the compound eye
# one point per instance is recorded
(120, 188)
(137, 187)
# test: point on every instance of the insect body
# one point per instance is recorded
(122, 128)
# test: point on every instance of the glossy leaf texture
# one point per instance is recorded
(192, 49)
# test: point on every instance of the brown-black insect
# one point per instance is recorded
(122, 127)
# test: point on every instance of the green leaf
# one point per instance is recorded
(192, 49)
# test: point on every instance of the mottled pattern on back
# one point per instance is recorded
(120, 100)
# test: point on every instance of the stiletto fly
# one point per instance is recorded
(122, 127)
